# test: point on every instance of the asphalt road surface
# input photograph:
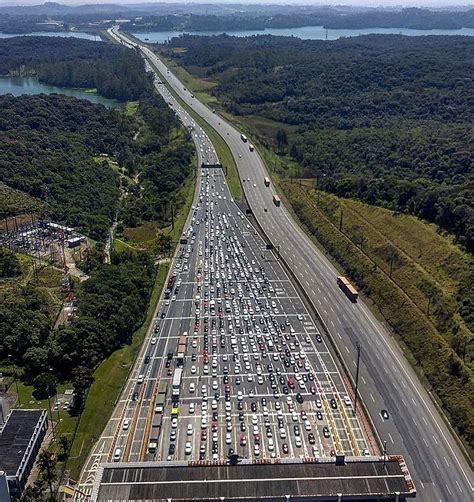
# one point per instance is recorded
(414, 427)
(252, 352)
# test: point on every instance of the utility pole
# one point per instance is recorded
(357, 379)
(172, 216)
(340, 220)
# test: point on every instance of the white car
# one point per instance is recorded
(190, 430)
(188, 448)
(153, 341)
(191, 408)
(192, 387)
(193, 370)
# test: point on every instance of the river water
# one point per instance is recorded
(305, 32)
(30, 85)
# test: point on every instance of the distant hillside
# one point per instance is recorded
(386, 119)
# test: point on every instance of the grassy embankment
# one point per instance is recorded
(109, 379)
(411, 273)
(111, 375)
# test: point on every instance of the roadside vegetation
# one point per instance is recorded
(416, 283)
(378, 118)
(426, 273)
(84, 165)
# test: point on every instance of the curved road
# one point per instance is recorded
(415, 428)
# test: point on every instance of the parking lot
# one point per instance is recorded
(254, 376)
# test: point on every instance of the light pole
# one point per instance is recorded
(15, 379)
(357, 379)
(49, 405)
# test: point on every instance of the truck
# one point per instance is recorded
(348, 288)
(251, 147)
(243, 138)
(178, 374)
(169, 287)
(276, 200)
(160, 403)
(161, 397)
(157, 421)
(266, 180)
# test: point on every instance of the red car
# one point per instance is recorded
(170, 371)
(243, 441)
(203, 435)
(256, 438)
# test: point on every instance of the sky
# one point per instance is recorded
(371, 3)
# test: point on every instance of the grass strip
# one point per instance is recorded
(109, 379)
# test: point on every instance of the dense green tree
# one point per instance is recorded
(385, 119)
(9, 264)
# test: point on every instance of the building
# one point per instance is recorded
(293, 480)
(20, 440)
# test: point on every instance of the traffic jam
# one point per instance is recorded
(252, 376)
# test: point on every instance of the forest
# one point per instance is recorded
(229, 18)
(116, 72)
(46, 149)
(386, 119)
(111, 306)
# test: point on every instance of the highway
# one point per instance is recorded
(414, 428)
(253, 353)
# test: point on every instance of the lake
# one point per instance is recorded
(305, 32)
(66, 34)
(30, 85)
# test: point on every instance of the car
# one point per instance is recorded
(117, 454)
(384, 414)
(298, 442)
(191, 408)
(190, 430)
(147, 359)
(140, 378)
(333, 404)
(153, 341)
(126, 424)
(192, 387)
(171, 449)
(326, 432)
(311, 438)
(188, 448)
(299, 397)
